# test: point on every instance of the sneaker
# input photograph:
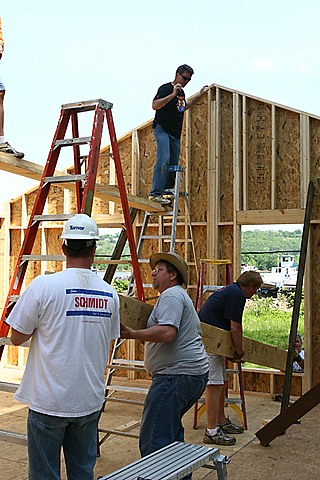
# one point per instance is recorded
(160, 199)
(7, 148)
(229, 427)
(219, 438)
(169, 191)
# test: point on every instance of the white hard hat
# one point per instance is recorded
(80, 227)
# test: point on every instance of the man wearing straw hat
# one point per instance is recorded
(174, 355)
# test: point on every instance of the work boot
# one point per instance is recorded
(7, 148)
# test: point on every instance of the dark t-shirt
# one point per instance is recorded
(224, 305)
(170, 117)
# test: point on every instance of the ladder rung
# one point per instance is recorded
(13, 437)
(233, 400)
(212, 288)
(155, 237)
(14, 298)
(87, 105)
(8, 387)
(65, 178)
(124, 400)
(6, 340)
(182, 240)
(118, 432)
(123, 361)
(43, 258)
(233, 370)
(67, 142)
(125, 367)
(122, 388)
(52, 218)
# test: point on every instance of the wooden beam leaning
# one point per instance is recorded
(31, 170)
(289, 416)
(135, 314)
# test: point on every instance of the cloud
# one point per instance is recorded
(306, 68)
(263, 64)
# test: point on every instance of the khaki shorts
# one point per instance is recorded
(217, 371)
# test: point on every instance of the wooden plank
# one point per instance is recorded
(108, 220)
(265, 217)
(31, 170)
(135, 314)
(219, 342)
(289, 416)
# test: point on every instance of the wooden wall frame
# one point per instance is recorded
(248, 161)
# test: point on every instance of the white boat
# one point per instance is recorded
(281, 277)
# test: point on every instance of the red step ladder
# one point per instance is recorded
(84, 186)
(201, 290)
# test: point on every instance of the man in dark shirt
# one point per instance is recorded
(224, 309)
(170, 105)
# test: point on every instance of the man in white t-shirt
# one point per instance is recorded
(71, 317)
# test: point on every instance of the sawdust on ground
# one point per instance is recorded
(288, 457)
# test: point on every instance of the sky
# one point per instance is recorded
(66, 51)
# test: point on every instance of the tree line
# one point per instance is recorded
(260, 249)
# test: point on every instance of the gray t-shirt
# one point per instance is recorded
(185, 354)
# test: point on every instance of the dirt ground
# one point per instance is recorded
(288, 457)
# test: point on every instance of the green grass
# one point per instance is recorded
(268, 320)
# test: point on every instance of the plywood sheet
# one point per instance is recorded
(226, 157)
(134, 314)
(259, 158)
(287, 159)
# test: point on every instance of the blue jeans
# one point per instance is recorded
(76, 435)
(168, 399)
(168, 152)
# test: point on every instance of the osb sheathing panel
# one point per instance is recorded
(30, 200)
(261, 382)
(53, 245)
(315, 303)
(147, 150)
(15, 244)
(226, 243)
(296, 385)
(125, 150)
(55, 200)
(16, 212)
(259, 158)
(315, 163)
(256, 382)
(287, 159)
(226, 156)
(34, 267)
(198, 161)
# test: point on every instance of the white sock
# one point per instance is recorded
(2, 139)
(212, 431)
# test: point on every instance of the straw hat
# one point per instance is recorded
(175, 260)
